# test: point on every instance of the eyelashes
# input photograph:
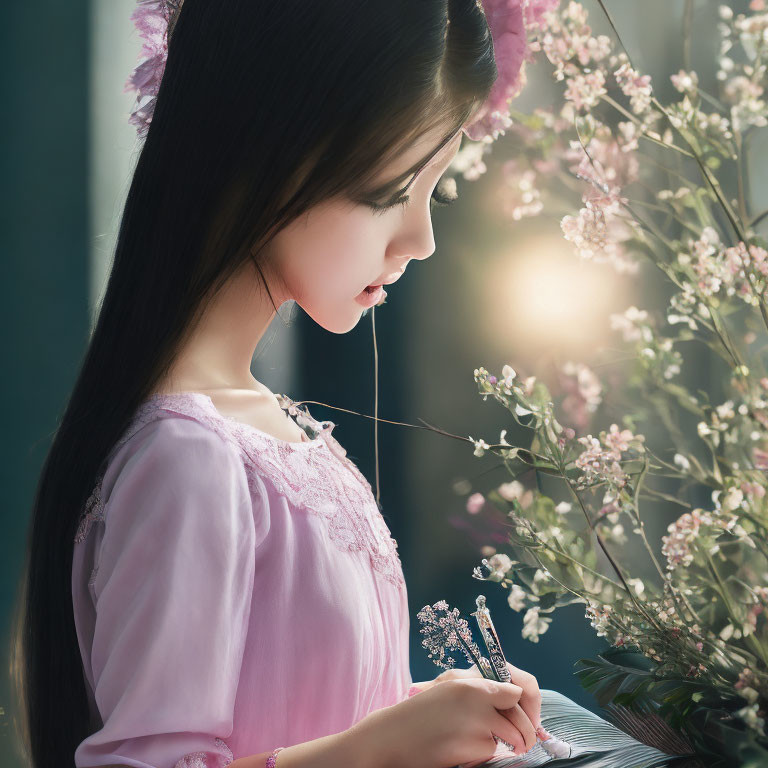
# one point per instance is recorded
(443, 194)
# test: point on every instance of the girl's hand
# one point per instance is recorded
(448, 724)
(530, 701)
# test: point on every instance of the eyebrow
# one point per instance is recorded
(390, 189)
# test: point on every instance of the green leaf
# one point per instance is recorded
(629, 659)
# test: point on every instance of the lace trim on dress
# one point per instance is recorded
(315, 474)
(311, 479)
(93, 511)
(208, 759)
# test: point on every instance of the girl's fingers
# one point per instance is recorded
(530, 700)
(522, 722)
(502, 727)
(504, 695)
(457, 674)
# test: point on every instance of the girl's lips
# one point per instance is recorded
(371, 298)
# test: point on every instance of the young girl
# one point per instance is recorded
(210, 582)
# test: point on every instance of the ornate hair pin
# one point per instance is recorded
(446, 631)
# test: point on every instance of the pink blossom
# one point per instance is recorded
(585, 90)
(748, 106)
(617, 440)
(629, 133)
(599, 461)
(728, 270)
(568, 42)
(636, 86)
(475, 503)
(519, 195)
(598, 464)
(676, 546)
(600, 617)
(634, 325)
(583, 393)
(609, 509)
(685, 82)
(515, 490)
(469, 160)
(747, 679)
(598, 233)
(537, 10)
(760, 458)
(603, 161)
(753, 490)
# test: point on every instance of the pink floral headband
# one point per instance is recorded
(508, 21)
(155, 20)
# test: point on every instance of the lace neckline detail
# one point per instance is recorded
(315, 474)
(314, 431)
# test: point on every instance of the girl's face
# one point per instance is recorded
(326, 259)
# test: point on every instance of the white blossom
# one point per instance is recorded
(534, 625)
(516, 598)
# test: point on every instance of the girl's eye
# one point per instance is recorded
(384, 207)
(443, 194)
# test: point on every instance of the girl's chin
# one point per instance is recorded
(340, 322)
(338, 319)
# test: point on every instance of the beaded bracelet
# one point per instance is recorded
(272, 759)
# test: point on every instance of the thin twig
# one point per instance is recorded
(430, 428)
(376, 403)
(758, 219)
(687, 30)
(713, 183)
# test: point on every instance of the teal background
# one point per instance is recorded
(44, 247)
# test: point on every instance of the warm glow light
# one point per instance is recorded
(544, 303)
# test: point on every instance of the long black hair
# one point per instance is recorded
(264, 110)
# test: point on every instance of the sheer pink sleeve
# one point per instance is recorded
(173, 596)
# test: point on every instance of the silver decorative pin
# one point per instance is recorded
(552, 746)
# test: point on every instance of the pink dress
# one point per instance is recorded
(233, 592)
